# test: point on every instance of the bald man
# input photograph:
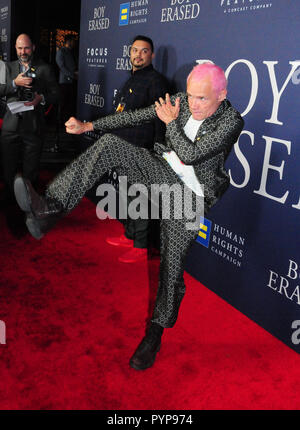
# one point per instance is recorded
(202, 127)
(33, 81)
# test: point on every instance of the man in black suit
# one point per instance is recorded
(144, 86)
(33, 81)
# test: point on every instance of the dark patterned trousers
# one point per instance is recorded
(140, 166)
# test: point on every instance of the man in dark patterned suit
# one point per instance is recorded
(202, 127)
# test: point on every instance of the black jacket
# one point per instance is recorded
(142, 89)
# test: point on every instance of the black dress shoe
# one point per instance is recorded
(41, 213)
(31, 202)
(145, 353)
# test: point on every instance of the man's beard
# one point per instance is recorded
(137, 66)
(25, 58)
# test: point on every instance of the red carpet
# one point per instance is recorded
(74, 316)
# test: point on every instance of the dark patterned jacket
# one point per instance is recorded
(207, 153)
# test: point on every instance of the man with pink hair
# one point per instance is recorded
(201, 128)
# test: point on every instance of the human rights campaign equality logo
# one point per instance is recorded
(124, 13)
(204, 232)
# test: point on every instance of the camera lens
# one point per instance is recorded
(28, 93)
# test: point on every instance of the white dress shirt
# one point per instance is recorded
(186, 172)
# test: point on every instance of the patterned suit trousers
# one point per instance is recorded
(140, 166)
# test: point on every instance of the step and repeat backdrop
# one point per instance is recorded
(248, 248)
(5, 27)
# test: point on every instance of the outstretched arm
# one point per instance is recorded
(110, 122)
(124, 119)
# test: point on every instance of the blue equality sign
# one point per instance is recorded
(124, 13)
(247, 250)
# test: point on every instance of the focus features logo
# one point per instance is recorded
(98, 22)
(234, 6)
(93, 97)
(180, 10)
(123, 63)
(285, 285)
(97, 57)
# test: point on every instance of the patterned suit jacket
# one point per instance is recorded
(207, 153)
(44, 83)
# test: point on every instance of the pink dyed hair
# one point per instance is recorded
(217, 75)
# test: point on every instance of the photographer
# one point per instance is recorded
(33, 81)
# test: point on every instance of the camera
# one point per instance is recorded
(28, 93)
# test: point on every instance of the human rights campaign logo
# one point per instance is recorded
(124, 13)
(204, 232)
